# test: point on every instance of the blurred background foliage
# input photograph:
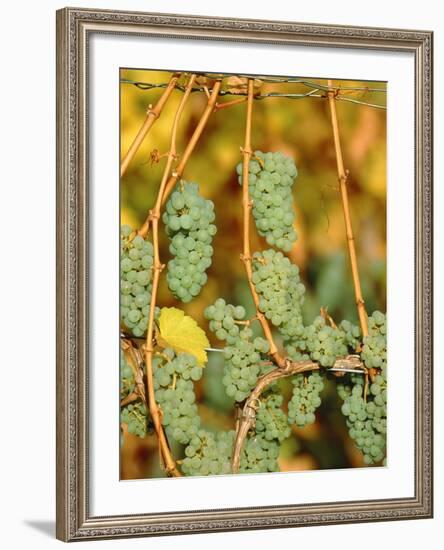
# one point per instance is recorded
(301, 129)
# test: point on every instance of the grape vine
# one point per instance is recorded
(164, 352)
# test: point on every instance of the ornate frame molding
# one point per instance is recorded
(73, 519)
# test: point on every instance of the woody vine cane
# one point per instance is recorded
(158, 267)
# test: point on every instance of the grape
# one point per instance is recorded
(352, 334)
(366, 420)
(281, 296)
(271, 421)
(223, 317)
(374, 350)
(271, 177)
(136, 261)
(214, 390)
(174, 389)
(242, 368)
(305, 398)
(208, 453)
(188, 220)
(135, 416)
(281, 293)
(259, 455)
(127, 382)
(242, 353)
(319, 342)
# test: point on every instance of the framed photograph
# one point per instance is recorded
(244, 274)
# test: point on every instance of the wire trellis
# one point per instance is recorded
(315, 89)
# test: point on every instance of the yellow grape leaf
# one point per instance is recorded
(182, 333)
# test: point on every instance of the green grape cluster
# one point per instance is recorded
(242, 364)
(223, 318)
(374, 350)
(305, 398)
(366, 419)
(174, 389)
(242, 353)
(136, 262)
(208, 453)
(127, 382)
(352, 334)
(259, 455)
(270, 179)
(281, 293)
(214, 391)
(135, 416)
(378, 390)
(319, 342)
(188, 219)
(271, 421)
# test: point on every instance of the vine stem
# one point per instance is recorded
(328, 318)
(248, 415)
(342, 178)
(156, 414)
(135, 362)
(134, 396)
(247, 205)
(219, 106)
(177, 173)
(152, 115)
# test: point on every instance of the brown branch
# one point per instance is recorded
(165, 186)
(152, 115)
(156, 414)
(207, 93)
(135, 362)
(328, 318)
(251, 405)
(177, 173)
(220, 106)
(342, 178)
(247, 205)
(130, 398)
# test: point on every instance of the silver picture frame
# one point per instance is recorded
(74, 520)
